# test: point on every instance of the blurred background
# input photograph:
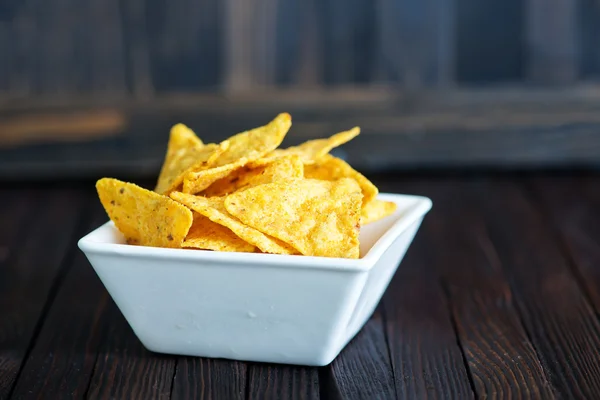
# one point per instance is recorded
(91, 88)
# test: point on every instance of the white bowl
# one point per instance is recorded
(252, 307)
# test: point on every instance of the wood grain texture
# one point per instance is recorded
(282, 382)
(552, 38)
(426, 358)
(61, 362)
(363, 370)
(501, 358)
(32, 256)
(560, 322)
(124, 369)
(572, 206)
(203, 378)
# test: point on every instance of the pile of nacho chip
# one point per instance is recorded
(247, 195)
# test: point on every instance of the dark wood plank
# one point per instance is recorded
(501, 358)
(426, 358)
(137, 48)
(124, 369)
(38, 228)
(348, 50)
(499, 129)
(101, 49)
(203, 378)
(23, 31)
(363, 370)
(572, 204)
(589, 16)
(299, 44)
(489, 41)
(559, 320)
(61, 362)
(282, 382)
(415, 42)
(238, 45)
(183, 40)
(552, 40)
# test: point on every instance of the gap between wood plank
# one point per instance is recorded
(559, 334)
(56, 284)
(446, 293)
(172, 379)
(534, 195)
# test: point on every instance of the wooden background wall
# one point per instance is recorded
(91, 87)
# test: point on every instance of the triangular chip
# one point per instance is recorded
(330, 168)
(207, 235)
(185, 152)
(144, 217)
(244, 178)
(375, 210)
(313, 150)
(318, 218)
(214, 209)
(257, 142)
(195, 182)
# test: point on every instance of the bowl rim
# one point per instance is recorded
(421, 206)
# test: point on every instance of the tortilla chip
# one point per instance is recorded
(375, 210)
(144, 217)
(205, 234)
(313, 150)
(195, 182)
(185, 152)
(255, 143)
(330, 168)
(318, 218)
(244, 178)
(214, 209)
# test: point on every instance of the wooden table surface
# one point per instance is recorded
(499, 295)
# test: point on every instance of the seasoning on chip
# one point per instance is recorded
(331, 168)
(214, 209)
(195, 182)
(207, 235)
(313, 150)
(255, 143)
(318, 218)
(144, 217)
(375, 210)
(185, 152)
(246, 195)
(272, 171)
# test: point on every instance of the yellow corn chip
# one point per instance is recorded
(375, 210)
(195, 182)
(207, 235)
(144, 217)
(257, 142)
(277, 170)
(214, 209)
(185, 152)
(330, 168)
(313, 150)
(318, 218)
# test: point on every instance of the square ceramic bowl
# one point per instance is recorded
(252, 307)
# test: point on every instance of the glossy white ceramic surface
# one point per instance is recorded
(252, 307)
